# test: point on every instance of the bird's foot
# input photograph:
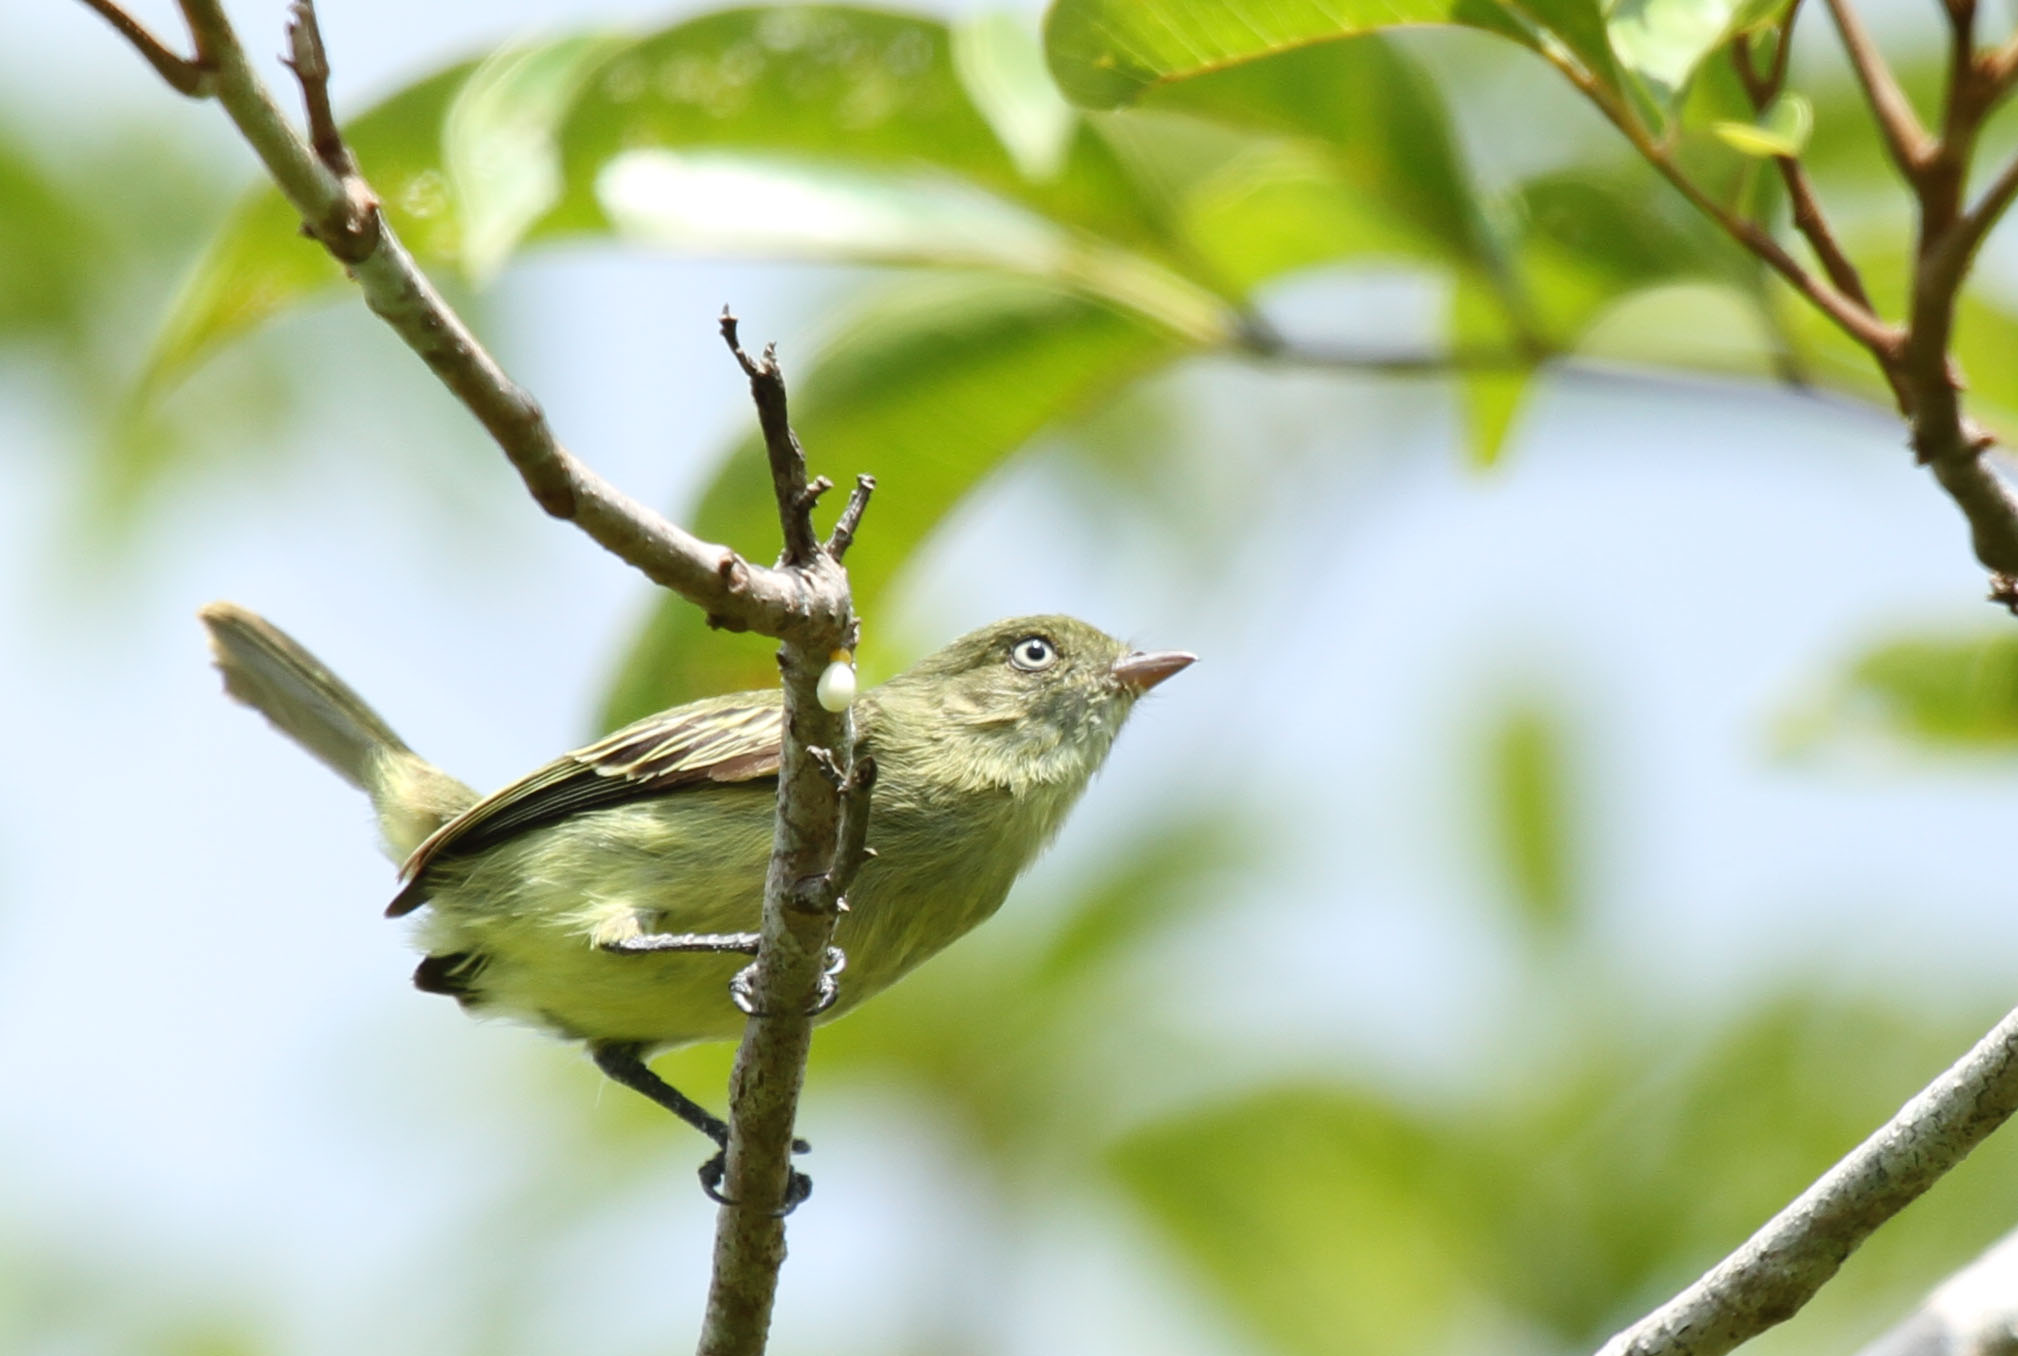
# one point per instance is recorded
(797, 1187)
(742, 989)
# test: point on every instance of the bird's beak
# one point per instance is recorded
(1143, 670)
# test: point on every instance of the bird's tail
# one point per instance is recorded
(267, 670)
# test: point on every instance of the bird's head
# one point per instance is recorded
(1024, 703)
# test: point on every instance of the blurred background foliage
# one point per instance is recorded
(1059, 239)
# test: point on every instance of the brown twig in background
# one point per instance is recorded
(803, 602)
(1898, 125)
(183, 75)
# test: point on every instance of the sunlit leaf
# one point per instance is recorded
(499, 141)
(928, 393)
(855, 101)
(819, 131)
(1663, 41)
(1782, 129)
(1107, 53)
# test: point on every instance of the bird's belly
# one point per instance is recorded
(532, 914)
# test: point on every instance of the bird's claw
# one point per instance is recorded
(798, 1186)
(743, 988)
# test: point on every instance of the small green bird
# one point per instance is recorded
(610, 896)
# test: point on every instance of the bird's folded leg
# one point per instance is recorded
(650, 943)
(624, 1062)
(742, 989)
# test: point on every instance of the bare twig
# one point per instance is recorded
(183, 75)
(1762, 88)
(1899, 125)
(1857, 321)
(796, 496)
(309, 61)
(843, 535)
(1780, 1267)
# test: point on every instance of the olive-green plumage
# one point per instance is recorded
(665, 826)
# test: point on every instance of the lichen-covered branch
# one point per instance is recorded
(1780, 1267)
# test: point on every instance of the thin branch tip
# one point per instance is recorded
(182, 74)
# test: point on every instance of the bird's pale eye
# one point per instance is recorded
(1033, 653)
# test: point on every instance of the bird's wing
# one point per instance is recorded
(720, 740)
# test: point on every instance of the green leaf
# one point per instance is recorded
(818, 131)
(47, 243)
(928, 392)
(1379, 130)
(1529, 802)
(260, 264)
(1943, 692)
(879, 115)
(1664, 41)
(1782, 129)
(499, 141)
(1107, 53)
(1327, 1219)
(1490, 395)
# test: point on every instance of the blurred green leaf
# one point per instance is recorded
(1328, 1220)
(1106, 53)
(1945, 692)
(1490, 395)
(499, 141)
(818, 131)
(1013, 1034)
(260, 264)
(851, 133)
(928, 391)
(1664, 41)
(1782, 129)
(1380, 122)
(48, 244)
(1332, 1219)
(1530, 807)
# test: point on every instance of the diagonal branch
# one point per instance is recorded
(1780, 1267)
(1854, 319)
(1898, 124)
(183, 75)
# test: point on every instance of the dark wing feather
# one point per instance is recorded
(720, 740)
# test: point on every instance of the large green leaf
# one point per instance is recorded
(1378, 118)
(928, 392)
(1107, 53)
(819, 131)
